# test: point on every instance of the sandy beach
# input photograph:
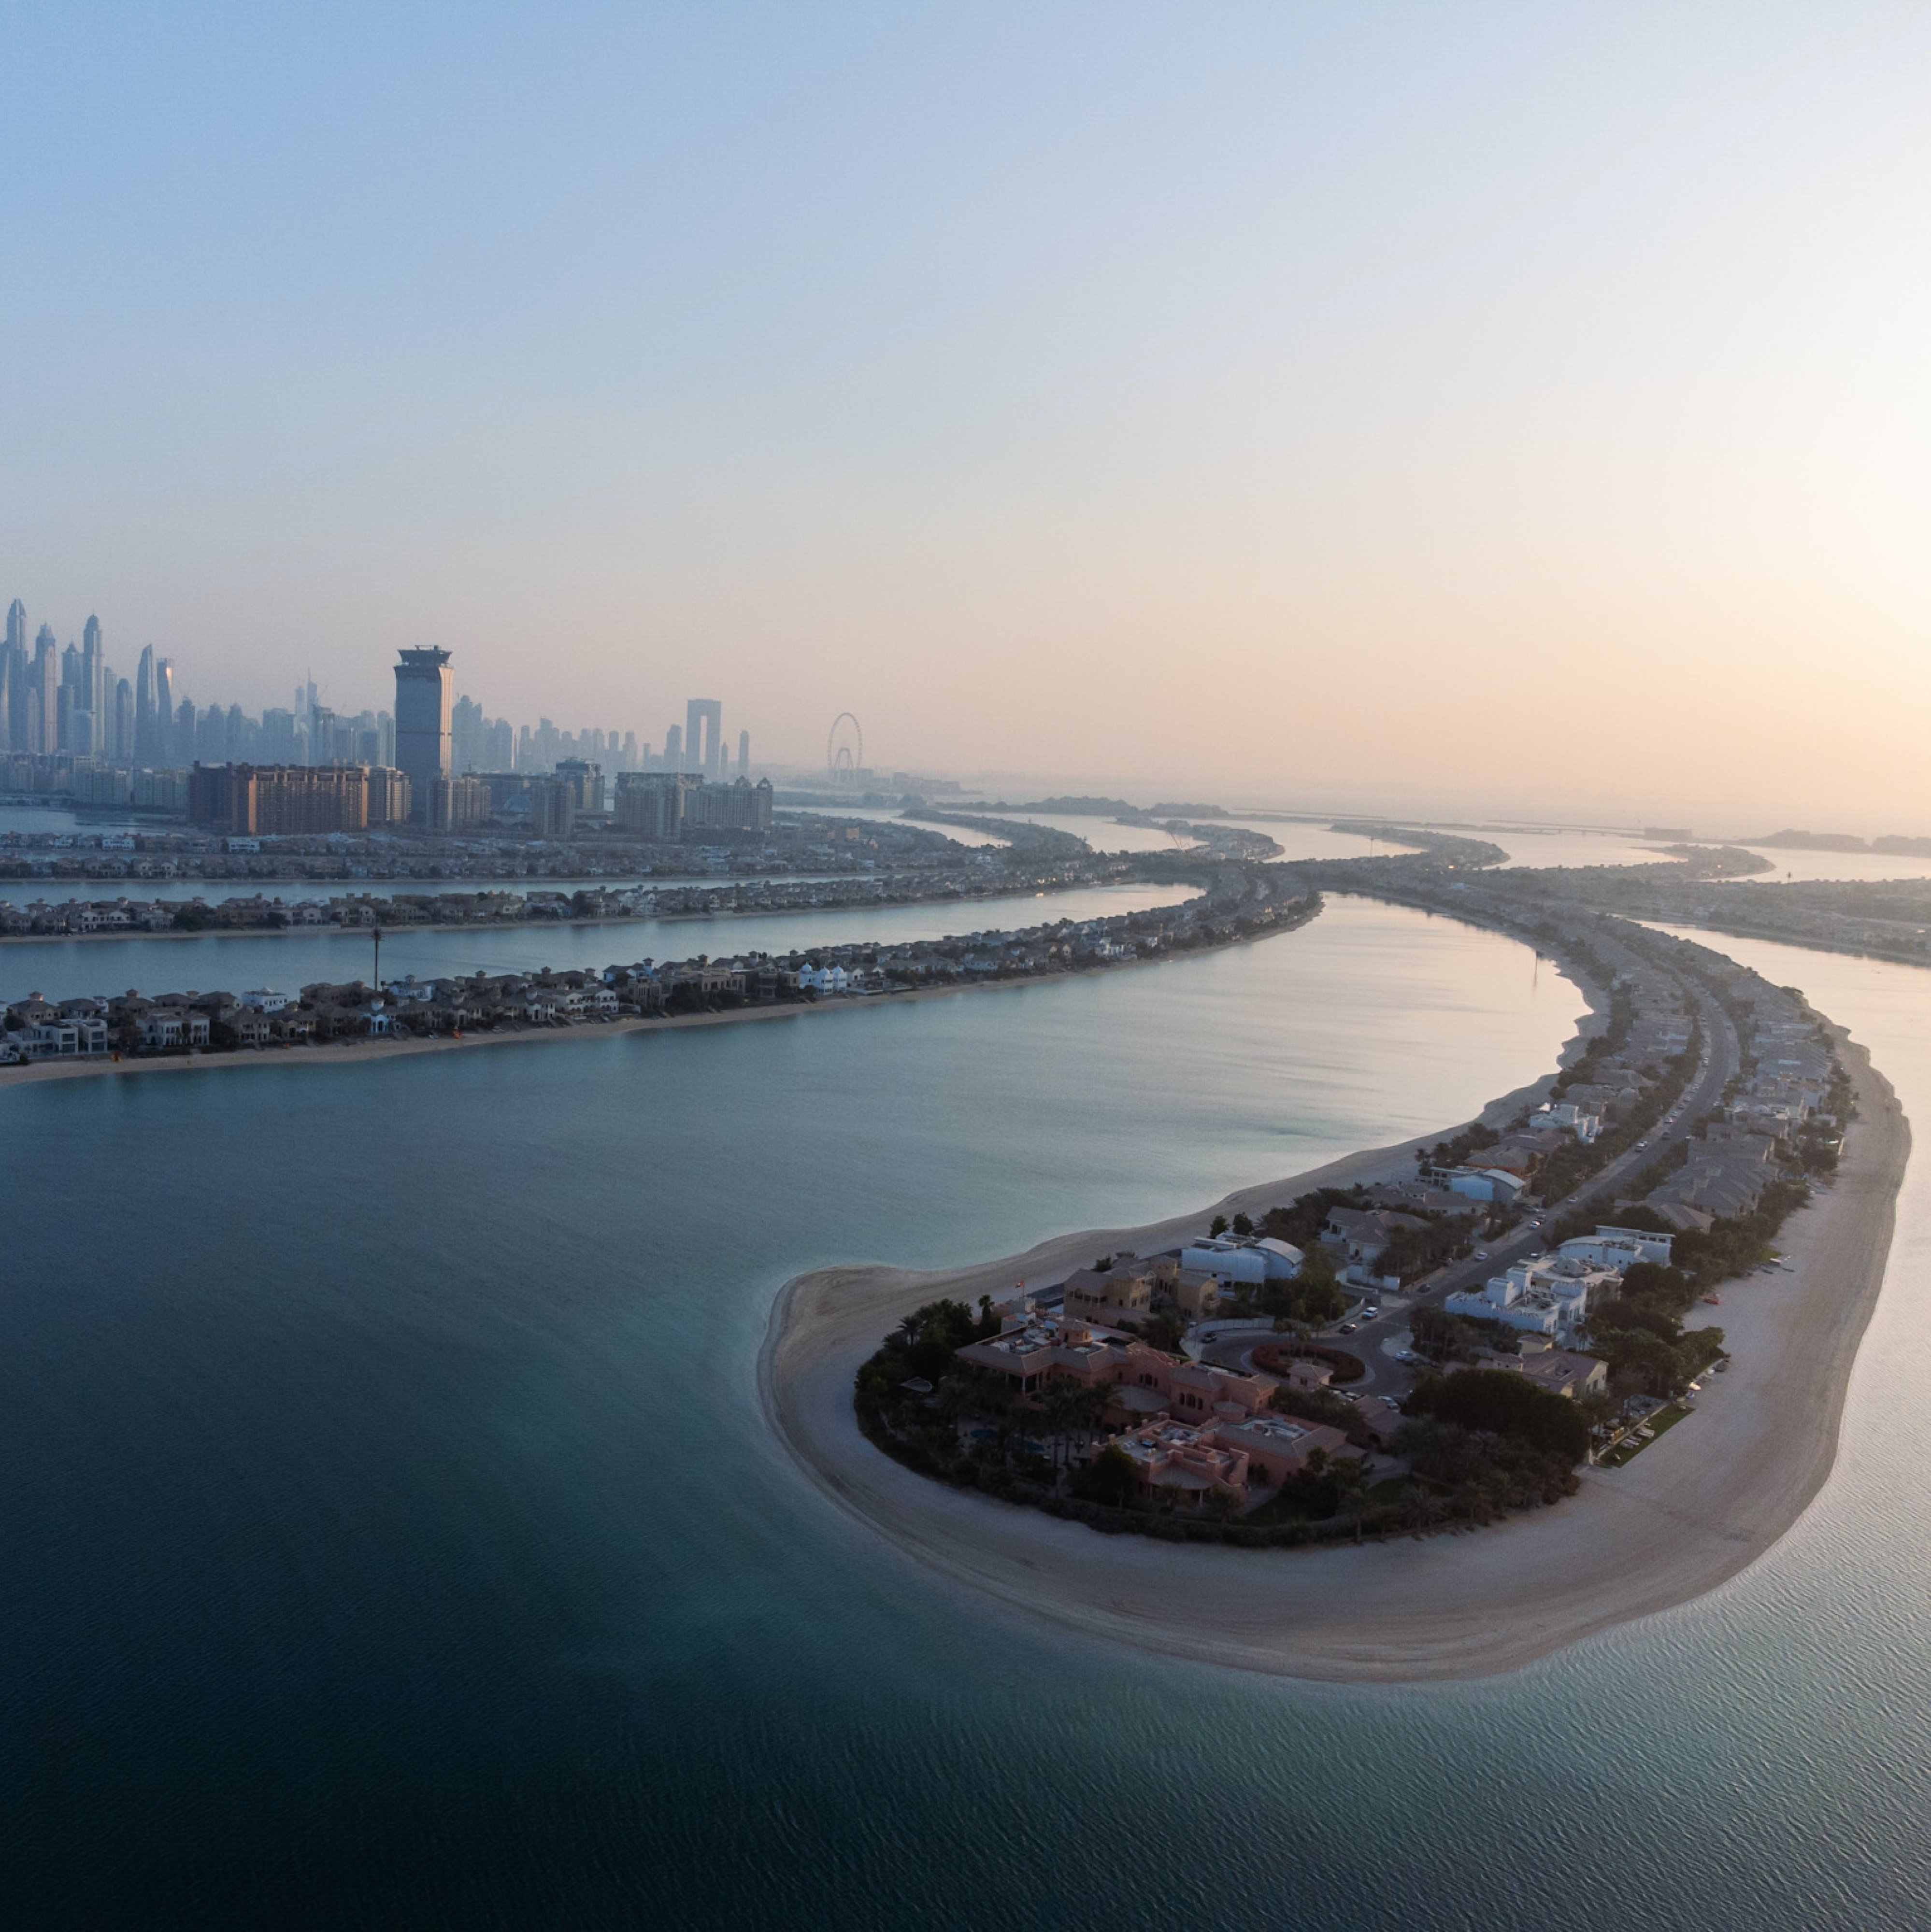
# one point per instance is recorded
(371, 1051)
(1697, 1506)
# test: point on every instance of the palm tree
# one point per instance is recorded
(1349, 1475)
(1063, 1402)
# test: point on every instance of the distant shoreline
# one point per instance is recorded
(404, 927)
(1700, 1504)
(366, 1051)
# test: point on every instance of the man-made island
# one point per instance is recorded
(41, 1038)
(1694, 1124)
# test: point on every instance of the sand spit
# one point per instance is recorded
(1701, 1504)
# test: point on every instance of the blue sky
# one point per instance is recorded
(1311, 399)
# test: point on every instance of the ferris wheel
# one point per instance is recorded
(845, 749)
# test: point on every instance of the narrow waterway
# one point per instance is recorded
(287, 961)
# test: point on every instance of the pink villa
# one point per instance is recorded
(1260, 1452)
(1034, 1349)
(1200, 1427)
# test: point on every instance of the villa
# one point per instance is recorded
(1567, 1116)
(1033, 1349)
(1617, 1248)
(1261, 1452)
(1544, 1297)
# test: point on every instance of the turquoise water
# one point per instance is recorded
(391, 1538)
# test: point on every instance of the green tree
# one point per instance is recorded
(1499, 1402)
(1108, 1478)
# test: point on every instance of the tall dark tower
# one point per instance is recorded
(13, 679)
(425, 700)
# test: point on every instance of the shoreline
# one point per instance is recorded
(331, 930)
(1699, 1505)
(338, 1053)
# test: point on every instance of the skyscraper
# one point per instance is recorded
(744, 754)
(71, 700)
(43, 695)
(703, 729)
(145, 741)
(424, 687)
(163, 710)
(13, 677)
(93, 669)
(465, 736)
(673, 748)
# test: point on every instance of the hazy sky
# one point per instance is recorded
(1518, 405)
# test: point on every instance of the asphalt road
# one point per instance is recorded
(1722, 1058)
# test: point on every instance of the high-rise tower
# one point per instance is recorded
(163, 710)
(71, 700)
(703, 734)
(145, 753)
(43, 695)
(13, 679)
(93, 683)
(425, 688)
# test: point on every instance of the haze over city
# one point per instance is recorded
(965, 967)
(1499, 410)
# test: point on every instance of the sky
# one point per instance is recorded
(1482, 408)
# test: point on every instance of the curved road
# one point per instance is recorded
(1375, 1340)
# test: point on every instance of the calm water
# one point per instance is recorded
(62, 968)
(1787, 866)
(24, 892)
(390, 1539)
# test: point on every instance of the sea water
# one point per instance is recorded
(301, 955)
(389, 1536)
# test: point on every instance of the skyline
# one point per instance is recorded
(1404, 386)
(497, 744)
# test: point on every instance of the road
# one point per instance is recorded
(1374, 1340)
